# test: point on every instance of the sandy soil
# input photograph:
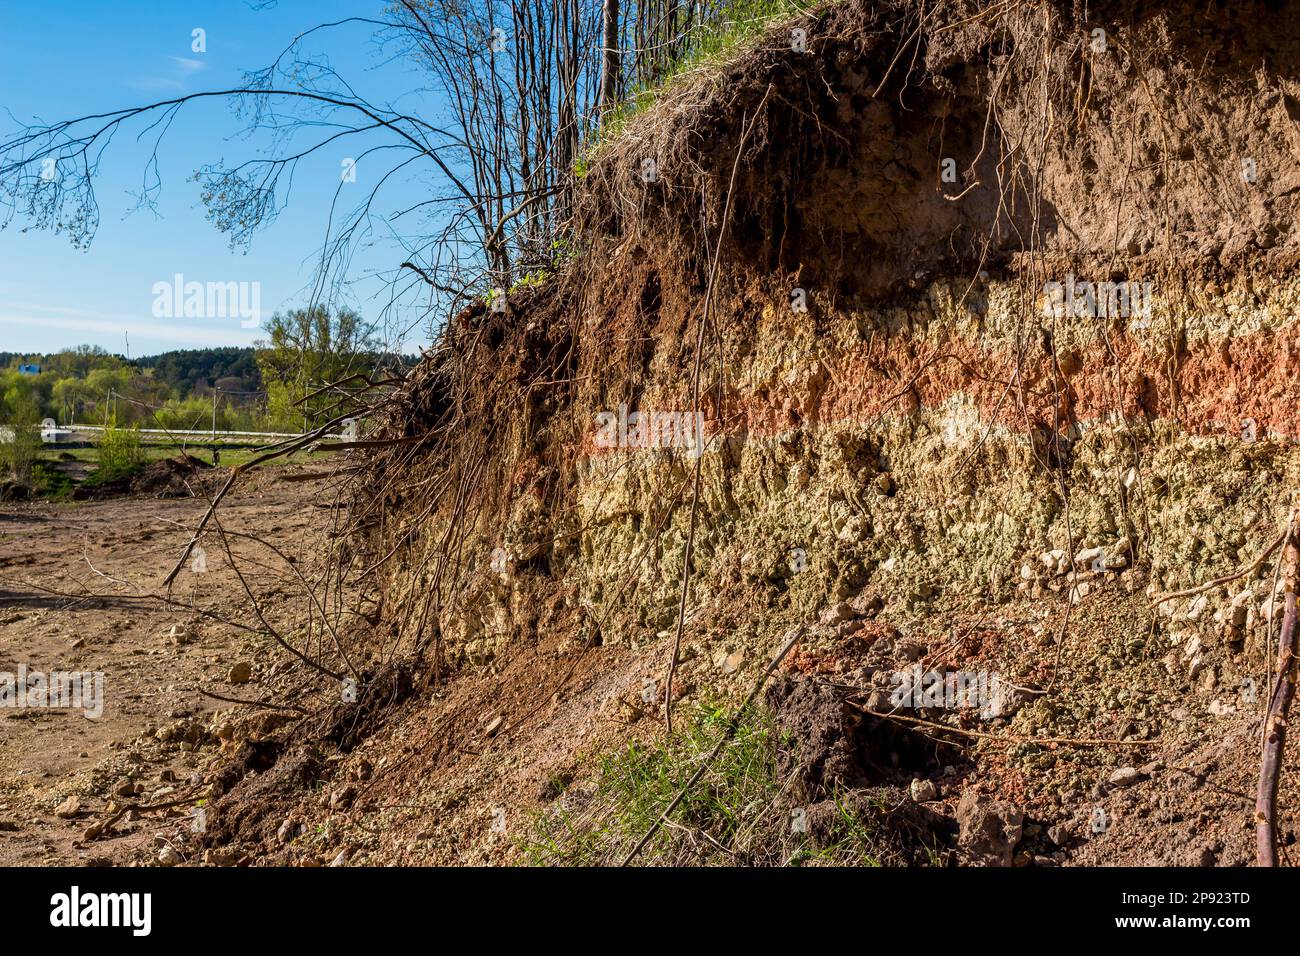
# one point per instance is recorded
(117, 549)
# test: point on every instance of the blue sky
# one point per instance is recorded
(59, 61)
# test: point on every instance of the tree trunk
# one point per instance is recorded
(610, 70)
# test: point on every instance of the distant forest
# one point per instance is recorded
(185, 371)
(269, 387)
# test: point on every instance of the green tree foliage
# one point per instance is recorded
(192, 371)
(20, 441)
(306, 349)
(119, 452)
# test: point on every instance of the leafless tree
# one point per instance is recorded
(519, 89)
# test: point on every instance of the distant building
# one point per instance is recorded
(29, 369)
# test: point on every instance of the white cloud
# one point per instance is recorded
(187, 65)
(183, 68)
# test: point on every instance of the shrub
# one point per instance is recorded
(119, 452)
(20, 443)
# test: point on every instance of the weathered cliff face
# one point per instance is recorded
(904, 383)
(904, 448)
(1013, 395)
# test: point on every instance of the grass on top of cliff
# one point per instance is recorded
(742, 22)
(740, 813)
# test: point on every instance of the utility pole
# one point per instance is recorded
(214, 426)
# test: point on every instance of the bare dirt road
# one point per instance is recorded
(73, 578)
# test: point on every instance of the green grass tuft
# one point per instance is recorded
(738, 814)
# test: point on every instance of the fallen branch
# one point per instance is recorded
(1200, 588)
(1279, 705)
(1007, 738)
(96, 830)
(370, 443)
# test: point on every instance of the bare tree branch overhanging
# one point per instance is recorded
(515, 89)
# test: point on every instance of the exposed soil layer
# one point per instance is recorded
(897, 415)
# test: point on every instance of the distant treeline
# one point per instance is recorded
(268, 387)
(185, 371)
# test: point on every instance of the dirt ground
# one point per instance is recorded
(50, 554)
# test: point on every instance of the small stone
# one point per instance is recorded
(342, 798)
(240, 673)
(68, 809)
(1087, 557)
(285, 833)
(910, 651)
(494, 726)
(1124, 777)
(1057, 834)
(341, 859)
(988, 830)
(1219, 708)
(168, 856)
(837, 614)
(179, 634)
(873, 606)
(923, 791)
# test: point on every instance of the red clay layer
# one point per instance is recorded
(1217, 388)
